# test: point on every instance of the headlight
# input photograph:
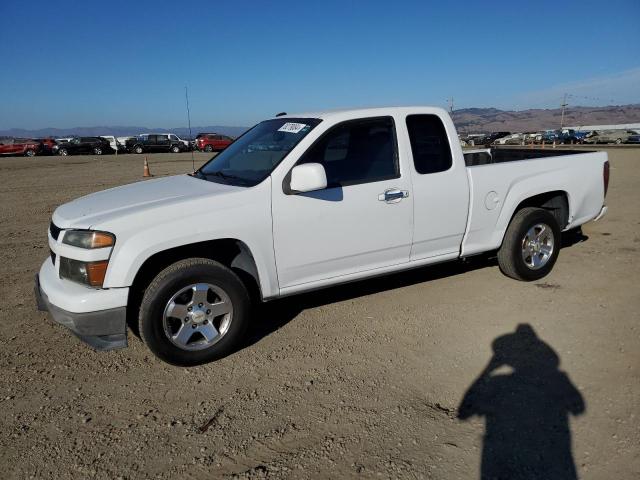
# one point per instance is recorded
(87, 273)
(88, 239)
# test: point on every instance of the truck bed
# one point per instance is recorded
(487, 156)
(500, 179)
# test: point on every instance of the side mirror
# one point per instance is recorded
(308, 177)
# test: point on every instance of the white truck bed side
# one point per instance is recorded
(497, 189)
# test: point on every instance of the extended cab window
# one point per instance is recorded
(429, 144)
(358, 151)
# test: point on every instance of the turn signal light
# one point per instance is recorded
(96, 272)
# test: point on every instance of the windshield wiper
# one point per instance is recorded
(226, 176)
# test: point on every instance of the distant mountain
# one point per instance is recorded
(482, 120)
(467, 120)
(118, 131)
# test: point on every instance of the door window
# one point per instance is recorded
(429, 144)
(358, 151)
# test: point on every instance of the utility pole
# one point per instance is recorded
(564, 105)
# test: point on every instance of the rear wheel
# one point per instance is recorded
(63, 152)
(618, 141)
(30, 152)
(195, 311)
(137, 149)
(208, 148)
(97, 151)
(531, 245)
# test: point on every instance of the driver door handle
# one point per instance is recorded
(393, 195)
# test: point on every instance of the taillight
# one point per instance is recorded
(605, 177)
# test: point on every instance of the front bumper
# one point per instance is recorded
(101, 329)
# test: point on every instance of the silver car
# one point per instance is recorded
(608, 136)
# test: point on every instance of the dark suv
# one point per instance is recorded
(161, 142)
(208, 142)
(79, 145)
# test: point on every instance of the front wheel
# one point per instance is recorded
(208, 148)
(63, 152)
(195, 311)
(30, 152)
(531, 245)
(97, 151)
(618, 141)
(175, 149)
(137, 149)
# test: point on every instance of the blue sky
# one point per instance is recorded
(92, 63)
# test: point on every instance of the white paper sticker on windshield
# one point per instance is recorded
(292, 127)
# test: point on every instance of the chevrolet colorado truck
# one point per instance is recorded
(297, 203)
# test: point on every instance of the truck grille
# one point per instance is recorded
(55, 230)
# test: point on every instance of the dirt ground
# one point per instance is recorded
(364, 380)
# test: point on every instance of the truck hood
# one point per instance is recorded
(100, 207)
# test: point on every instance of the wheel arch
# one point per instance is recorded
(230, 252)
(556, 201)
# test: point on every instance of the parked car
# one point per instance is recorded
(47, 145)
(635, 138)
(608, 136)
(174, 138)
(80, 145)
(123, 141)
(20, 146)
(491, 138)
(160, 142)
(114, 143)
(348, 195)
(210, 142)
(513, 139)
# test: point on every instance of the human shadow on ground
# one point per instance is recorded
(526, 411)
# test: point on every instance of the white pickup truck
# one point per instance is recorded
(297, 203)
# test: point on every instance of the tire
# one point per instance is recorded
(162, 333)
(137, 149)
(517, 257)
(208, 148)
(63, 152)
(30, 152)
(97, 151)
(175, 149)
(618, 141)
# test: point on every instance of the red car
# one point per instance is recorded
(47, 145)
(208, 142)
(19, 146)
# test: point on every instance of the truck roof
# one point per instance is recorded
(365, 112)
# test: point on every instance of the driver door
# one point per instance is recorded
(362, 221)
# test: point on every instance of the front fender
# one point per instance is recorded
(198, 220)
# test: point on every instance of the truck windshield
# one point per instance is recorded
(253, 156)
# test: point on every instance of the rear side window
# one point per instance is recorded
(429, 144)
(359, 151)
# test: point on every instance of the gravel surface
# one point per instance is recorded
(363, 380)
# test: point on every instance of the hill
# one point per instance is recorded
(467, 120)
(481, 120)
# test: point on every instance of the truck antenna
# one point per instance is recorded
(186, 97)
